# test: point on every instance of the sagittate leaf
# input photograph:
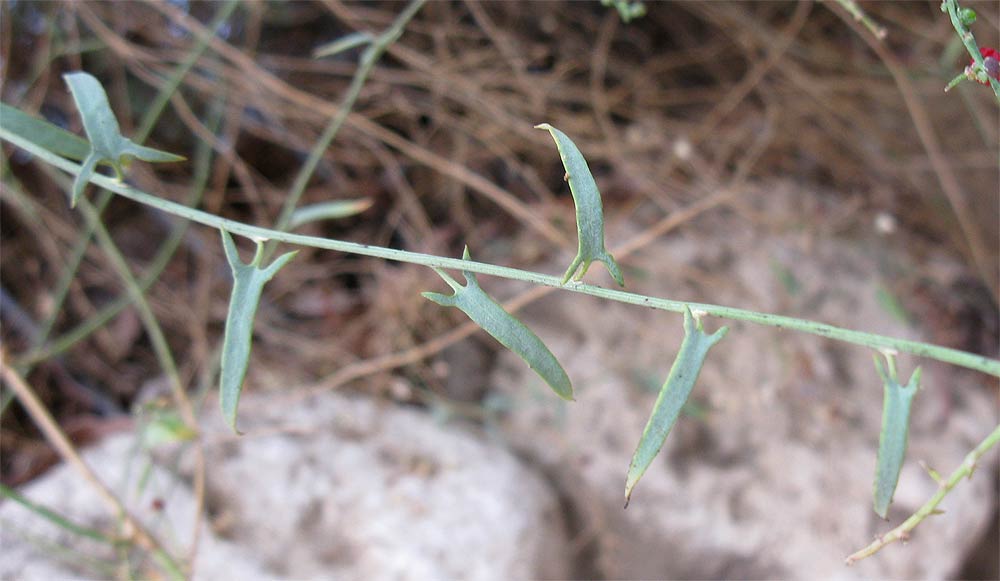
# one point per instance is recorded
(107, 145)
(673, 395)
(43, 134)
(505, 328)
(248, 284)
(896, 404)
(589, 211)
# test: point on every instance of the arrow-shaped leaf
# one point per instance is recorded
(505, 328)
(248, 284)
(897, 401)
(107, 145)
(673, 395)
(589, 211)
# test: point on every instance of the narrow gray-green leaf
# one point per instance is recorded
(589, 211)
(328, 211)
(673, 395)
(44, 134)
(107, 145)
(248, 284)
(897, 401)
(505, 328)
(343, 43)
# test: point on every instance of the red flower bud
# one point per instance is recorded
(991, 62)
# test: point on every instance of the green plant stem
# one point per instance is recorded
(879, 342)
(969, 41)
(156, 336)
(149, 321)
(369, 57)
(902, 532)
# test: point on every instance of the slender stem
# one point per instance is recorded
(47, 425)
(155, 109)
(947, 355)
(902, 532)
(969, 41)
(369, 57)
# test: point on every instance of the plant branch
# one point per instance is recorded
(880, 342)
(902, 532)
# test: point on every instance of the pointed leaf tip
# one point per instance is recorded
(589, 210)
(673, 395)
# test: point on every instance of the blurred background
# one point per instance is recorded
(785, 119)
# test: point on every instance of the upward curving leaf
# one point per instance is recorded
(107, 145)
(896, 405)
(589, 211)
(248, 284)
(505, 328)
(673, 395)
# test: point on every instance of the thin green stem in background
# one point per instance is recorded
(151, 116)
(369, 57)
(202, 172)
(135, 292)
(902, 532)
(881, 342)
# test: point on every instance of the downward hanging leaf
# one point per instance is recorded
(505, 328)
(107, 145)
(44, 134)
(897, 401)
(589, 211)
(248, 284)
(673, 395)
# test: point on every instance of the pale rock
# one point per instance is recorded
(331, 488)
(34, 548)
